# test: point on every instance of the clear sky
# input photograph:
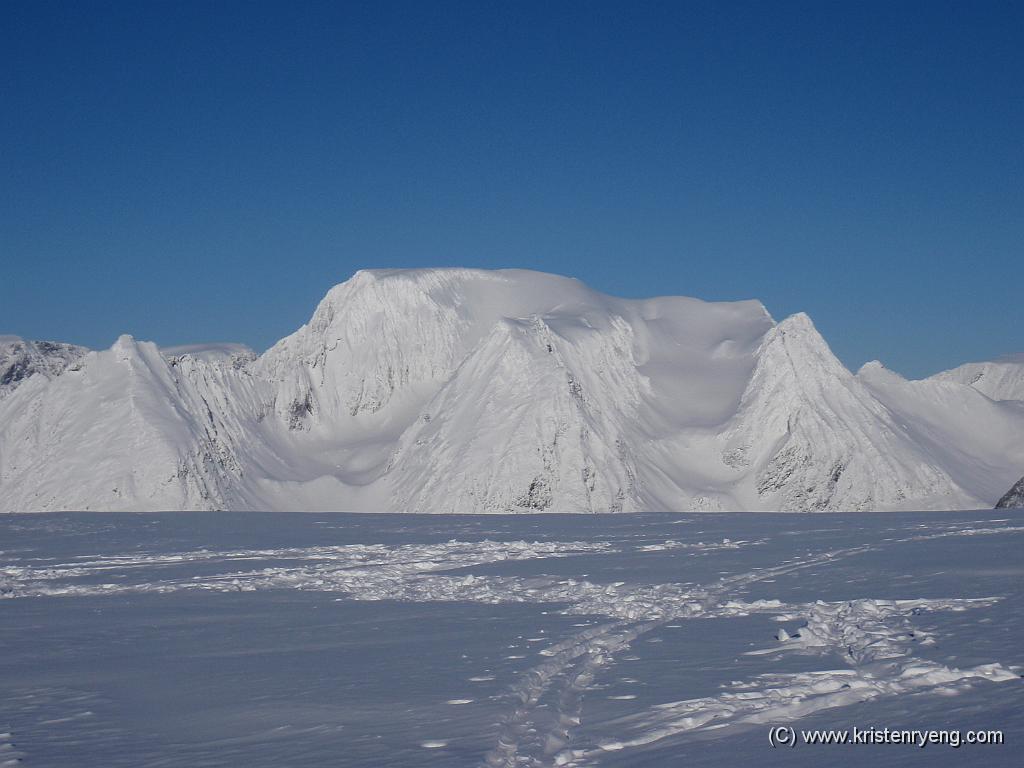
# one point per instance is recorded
(206, 171)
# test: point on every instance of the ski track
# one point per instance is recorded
(874, 638)
(10, 755)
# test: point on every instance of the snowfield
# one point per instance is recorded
(267, 639)
(473, 391)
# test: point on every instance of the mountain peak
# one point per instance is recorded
(1013, 498)
(470, 390)
(1000, 379)
(804, 349)
(870, 367)
(798, 321)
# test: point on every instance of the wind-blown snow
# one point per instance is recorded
(646, 640)
(456, 390)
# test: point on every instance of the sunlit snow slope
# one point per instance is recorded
(454, 390)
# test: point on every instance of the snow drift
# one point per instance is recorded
(453, 390)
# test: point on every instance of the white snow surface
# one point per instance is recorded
(1000, 379)
(254, 639)
(212, 352)
(472, 391)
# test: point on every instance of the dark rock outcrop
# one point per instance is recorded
(1014, 497)
(19, 359)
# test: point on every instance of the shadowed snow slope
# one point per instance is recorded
(454, 390)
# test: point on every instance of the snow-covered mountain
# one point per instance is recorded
(453, 390)
(19, 359)
(1014, 497)
(1000, 379)
(977, 440)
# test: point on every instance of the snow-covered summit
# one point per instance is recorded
(462, 390)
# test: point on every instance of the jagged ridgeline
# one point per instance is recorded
(454, 390)
(1014, 497)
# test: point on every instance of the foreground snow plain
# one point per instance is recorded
(268, 639)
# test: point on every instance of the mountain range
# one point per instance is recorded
(457, 390)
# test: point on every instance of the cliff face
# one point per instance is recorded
(1014, 497)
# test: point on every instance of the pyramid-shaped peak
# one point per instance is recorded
(799, 322)
(796, 345)
(798, 330)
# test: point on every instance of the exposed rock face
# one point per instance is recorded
(20, 359)
(1014, 497)
(455, 390)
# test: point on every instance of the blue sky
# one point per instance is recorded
(206, 171)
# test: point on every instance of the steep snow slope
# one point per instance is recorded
(456, 390)
(576, 408)
(527, 431)
(977, 439)
(1014, 497)
(19, 359)
(123, 429)
(1000, 379)
(816, 438)
(540, 391)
